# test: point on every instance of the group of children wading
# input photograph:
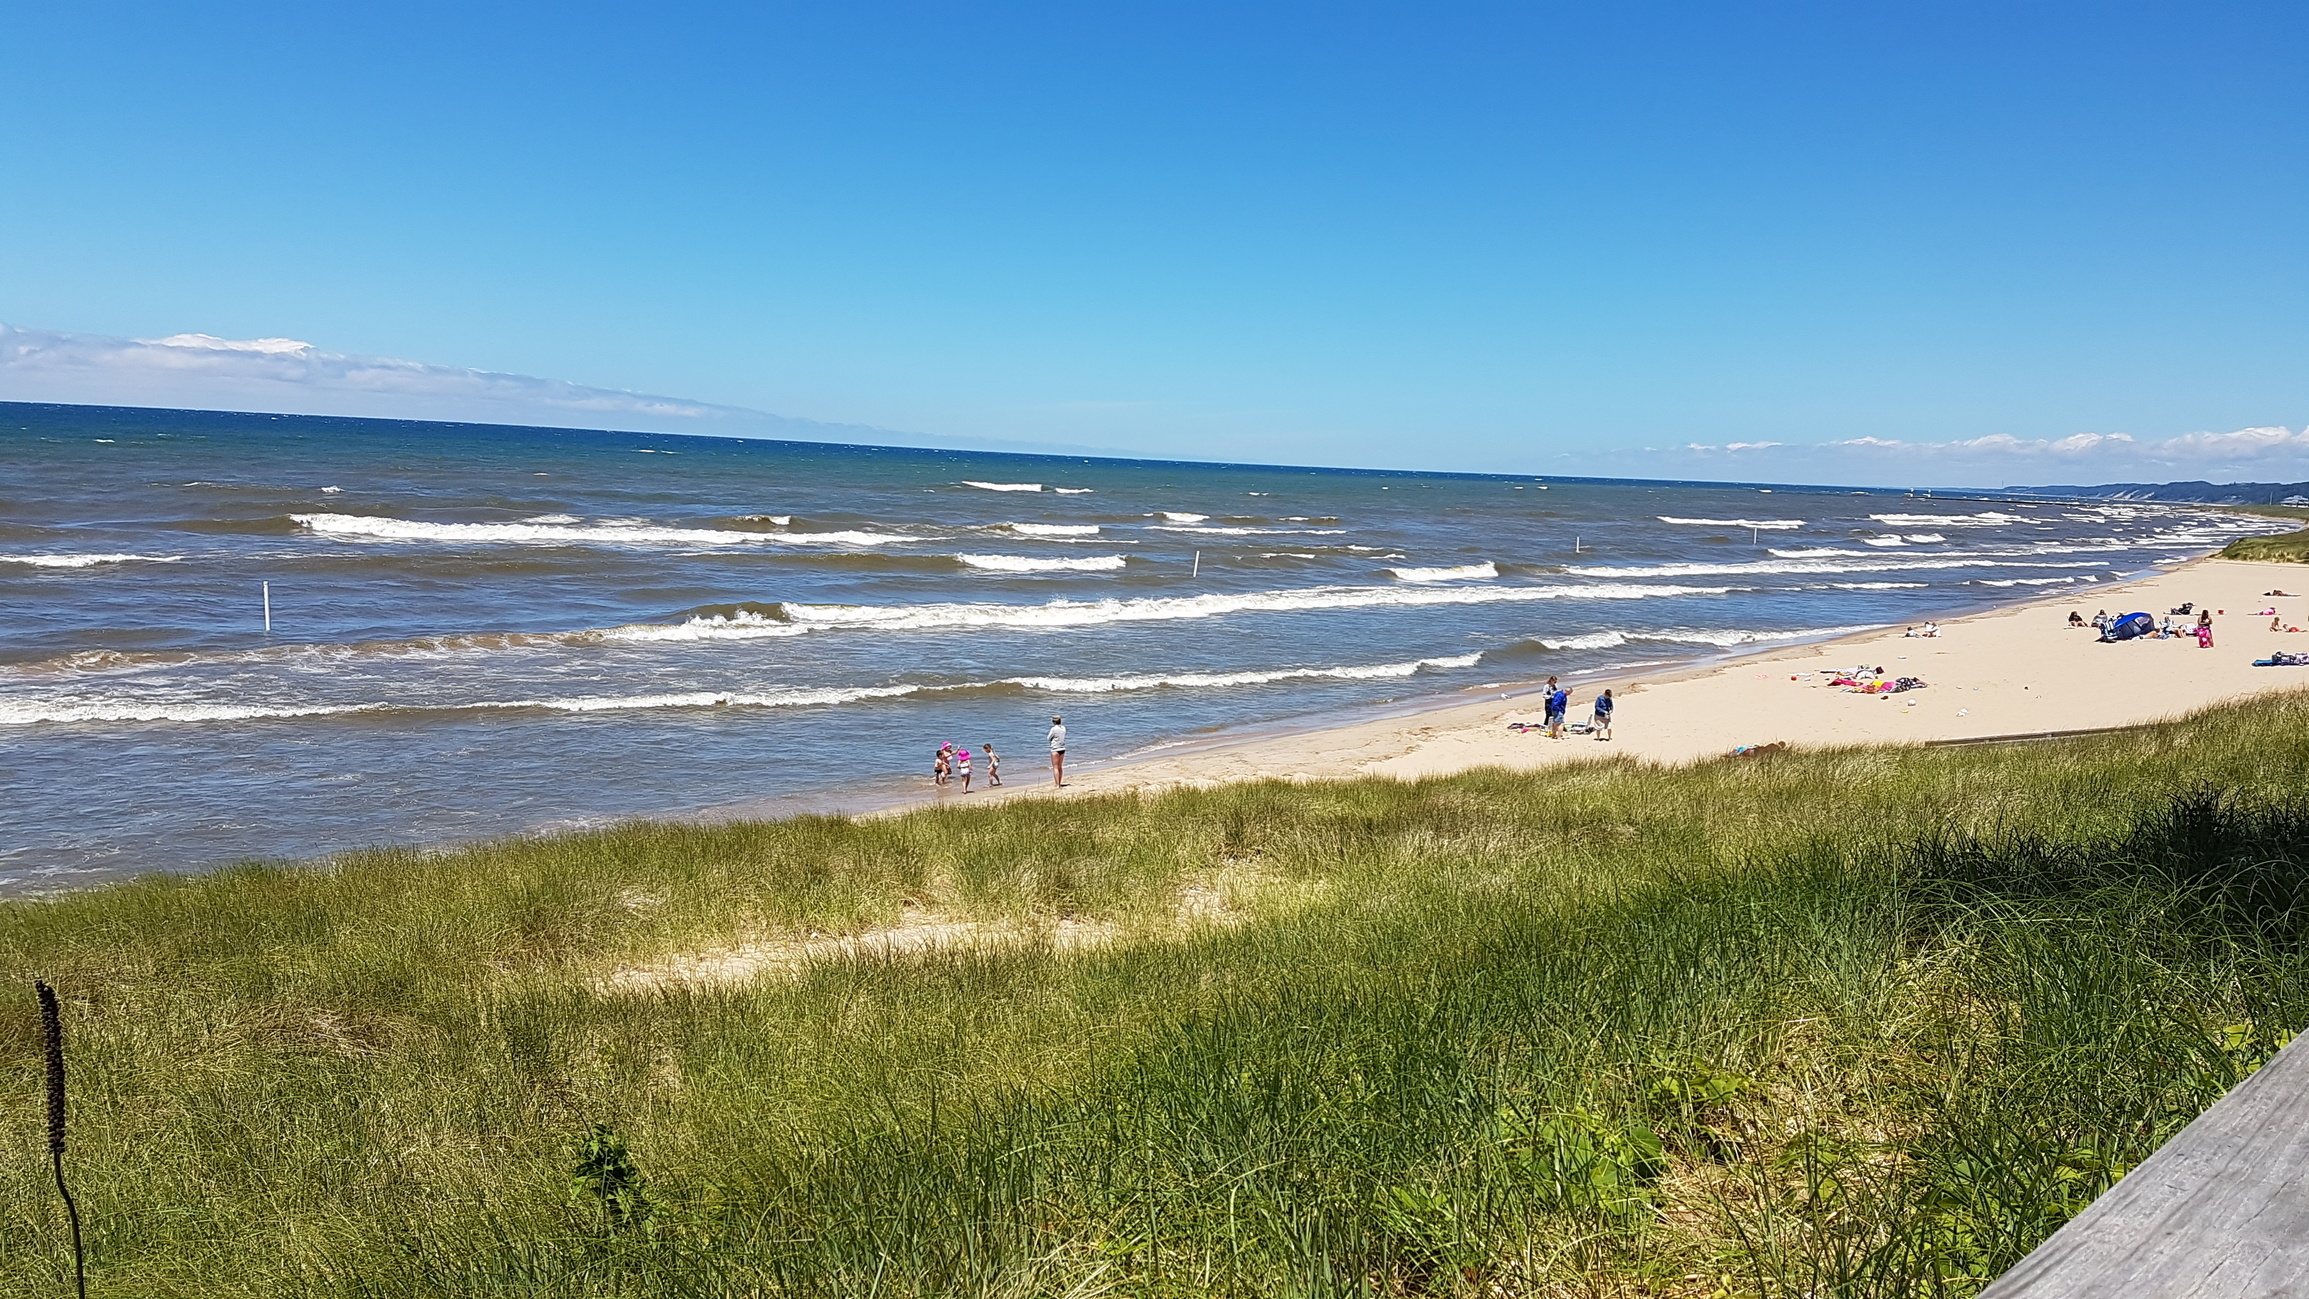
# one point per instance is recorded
(953, 760)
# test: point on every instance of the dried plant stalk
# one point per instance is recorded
(52, 1036)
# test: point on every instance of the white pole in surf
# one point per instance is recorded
(1198, 564)
(268, 608)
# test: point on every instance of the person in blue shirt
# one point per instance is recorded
(1602, 719)
(1558, 703)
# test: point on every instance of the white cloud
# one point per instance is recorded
(288, 376)
(1994, 460)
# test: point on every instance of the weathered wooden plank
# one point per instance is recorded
(2220, 1212)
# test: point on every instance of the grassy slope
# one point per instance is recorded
(2291, 547)
(1864, 1023)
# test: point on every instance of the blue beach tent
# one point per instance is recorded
(2129, 626)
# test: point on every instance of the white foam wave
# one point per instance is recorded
(1074, 491)
(777, 520)
(1817, 552)
(1678, 636)
(1023, 564)
(86, 561)
(1886, 564)
(1885, 541)
(28, 713)
(1925, 538)
(802, 618)
(1181, 516)
(552, 518)
(608, 533)
(1002, 487)
(1052, 529)
(1454, 573)
(1207, 530)
(1768, 525)
(2026, 581)
(1985, 519)
(1110, 685)
(1880, 586)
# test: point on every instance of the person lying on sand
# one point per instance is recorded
(2076, 619)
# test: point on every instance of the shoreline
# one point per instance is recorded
(2002, 672)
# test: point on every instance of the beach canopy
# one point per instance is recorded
(2129, 626)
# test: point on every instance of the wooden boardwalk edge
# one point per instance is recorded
(2221, 1211)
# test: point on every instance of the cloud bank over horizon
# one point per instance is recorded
(2269, 453)
(289, 376)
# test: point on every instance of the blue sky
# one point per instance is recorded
(1511, 237)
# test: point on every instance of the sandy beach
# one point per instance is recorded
(2017, 670)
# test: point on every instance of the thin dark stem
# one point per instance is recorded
(72, 1211)
(52, 1034)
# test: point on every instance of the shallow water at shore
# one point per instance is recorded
(480, 631)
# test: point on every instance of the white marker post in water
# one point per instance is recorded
(1198, 564)
(268, 608)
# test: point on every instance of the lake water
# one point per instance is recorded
(481, 630)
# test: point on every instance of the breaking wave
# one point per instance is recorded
(1214, 530)
(1024, 564)
(1986, 519)
(615, 533)
(86, 561)
(1002, 487)
(1449, 574)
(1724, 639)
(1768, 525)
(28, 713)
(1884, 565)
(791, 619)
(1051, 529)
(1109, 685)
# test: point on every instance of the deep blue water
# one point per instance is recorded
(480, 630)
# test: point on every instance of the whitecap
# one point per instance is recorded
(800, 618)
(607, 533)
(1925, 538)
(1110, 685)
(1002, 487)
(1181, 516)
(1454, 573)
(1206, 530)
(1024, 564)
(1884, 541)
(86, 561)
(1766, 524)
(1683, 636)
(1985, 519)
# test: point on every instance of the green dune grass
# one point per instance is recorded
(2286, 547)
(1859, 1022)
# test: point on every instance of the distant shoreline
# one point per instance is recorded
(2001, 672)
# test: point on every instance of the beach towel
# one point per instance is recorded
(2282, 659)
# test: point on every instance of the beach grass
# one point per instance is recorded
(1857, 1022)
(2286, 547)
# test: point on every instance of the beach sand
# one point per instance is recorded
(2015, 670)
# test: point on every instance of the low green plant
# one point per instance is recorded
(1864, 1022)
